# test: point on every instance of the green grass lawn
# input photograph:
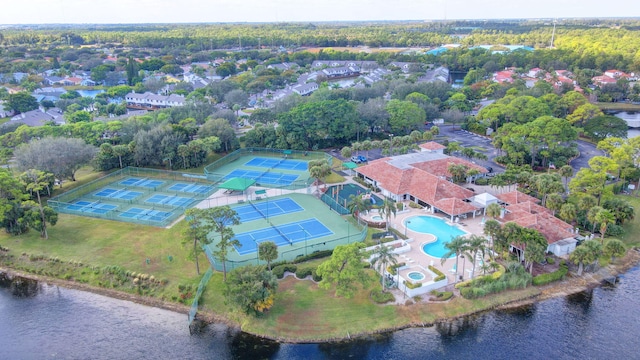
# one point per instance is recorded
(631, 236)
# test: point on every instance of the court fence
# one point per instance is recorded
(212, 172)
(289, 255)
(64, 203)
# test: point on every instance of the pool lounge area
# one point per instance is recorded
(423, 248)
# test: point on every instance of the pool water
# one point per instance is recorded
(437, 227)
(415, 275)
(377, 218)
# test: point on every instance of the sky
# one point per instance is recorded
(195, 11)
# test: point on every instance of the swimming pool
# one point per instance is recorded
(377, 218)
(438, 228)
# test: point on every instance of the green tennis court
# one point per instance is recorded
(142, 196)
(312, 227)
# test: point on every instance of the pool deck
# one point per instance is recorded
(416, 256)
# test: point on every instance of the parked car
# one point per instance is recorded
(489, 169)
(358, 159)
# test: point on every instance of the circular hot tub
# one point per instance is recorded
(415, 276)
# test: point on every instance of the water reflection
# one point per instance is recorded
(42, 321)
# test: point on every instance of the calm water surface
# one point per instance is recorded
(58, 323)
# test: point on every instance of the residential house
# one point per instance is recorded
(151, 100)
(524, 210)
(305, 89)
(505, 76)
(341, 71)
(52, 80)
(39, 117)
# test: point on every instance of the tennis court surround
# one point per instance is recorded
(296, 232)
(283, 169)
(142, 196)
(267, 209)
(286, 234)
(277, 163)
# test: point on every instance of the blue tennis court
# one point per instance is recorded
(274, 163)
(169, 200)
(93, 207)
(271, 178)
(146, 214)
(281, 235)
(140, 182)
(267, 209)
(190, 188)
(123, 194)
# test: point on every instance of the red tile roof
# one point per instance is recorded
(432, 145)
(454, 206)
(423, 185)
(533, 216)
(515, 197)
(440, 167)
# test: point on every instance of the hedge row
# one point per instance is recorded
(411, 285)
(441, 275)
(559, 274)
(279, 270)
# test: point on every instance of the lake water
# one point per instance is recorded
(58, 323)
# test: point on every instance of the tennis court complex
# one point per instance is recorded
(143, 196)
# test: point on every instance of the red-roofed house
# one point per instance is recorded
(616, 74)
(505, 76)
(603, 80)
(523, 210)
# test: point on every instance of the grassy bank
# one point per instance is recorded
(618, 106)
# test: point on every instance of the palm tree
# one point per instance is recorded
(566, 172)
(554, 202)
(456, 246)
(492, 229)
(604, 218)
(580, 256)
(493, 210)
(476, 245)
(358, 204)
(387, 209)
(458, 171)
(586, 202)
(614, 248)
(568, 213)
(382, 256)
(592, 216)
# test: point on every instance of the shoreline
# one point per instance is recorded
(568, 286)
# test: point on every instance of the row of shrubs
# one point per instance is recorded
(515, 278)
(440, 274)
(393, 269)
(559, 274)
(301, 272)
(441, 295)
(411, 285)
